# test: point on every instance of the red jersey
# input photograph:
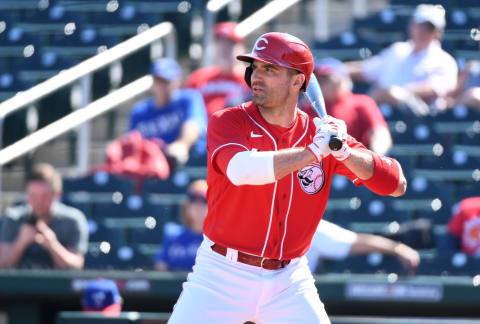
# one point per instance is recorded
(275, 220)
(465, 224)
(359, 112)
(218, 90)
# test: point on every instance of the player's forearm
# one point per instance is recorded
(290, 160)
(65, 259)
(10, 254)
(360, 163)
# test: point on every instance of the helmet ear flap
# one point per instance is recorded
(248, 75)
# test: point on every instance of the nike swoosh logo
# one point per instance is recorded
(252, 134)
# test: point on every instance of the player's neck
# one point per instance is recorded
(280, 116)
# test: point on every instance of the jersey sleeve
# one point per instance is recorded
(225, 137)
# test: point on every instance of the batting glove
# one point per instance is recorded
(326, 128)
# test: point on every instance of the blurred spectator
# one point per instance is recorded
(180, 244)
(364, 119)
(414, 75)
(334, 242)
(43, 233)
(468, 88)
(464, 227)
(222, 85)
(102, 295)
(176, 117)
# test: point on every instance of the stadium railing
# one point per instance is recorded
(83, 72)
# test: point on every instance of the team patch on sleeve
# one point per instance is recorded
(311, 178)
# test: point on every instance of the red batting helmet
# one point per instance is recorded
(281, 49)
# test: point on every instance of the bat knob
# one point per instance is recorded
(335, 143)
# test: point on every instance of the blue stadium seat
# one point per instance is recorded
(342, 187)
(55, 14)
(99, 182)
(129, 206)
(386, 20)
(372, 263)
(101, 233)
(347, 46)
(450, 263)
(416, 133)
(465, 190)
(40, 67)
(461, 19)
(456, 159)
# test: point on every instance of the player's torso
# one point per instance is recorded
(275, 220)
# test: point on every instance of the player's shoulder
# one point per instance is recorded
(231, 113)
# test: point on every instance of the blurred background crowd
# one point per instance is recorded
(404, 76)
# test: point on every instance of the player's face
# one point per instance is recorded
(272, 85)
(40, 196)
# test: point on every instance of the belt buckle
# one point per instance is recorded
(261, 262)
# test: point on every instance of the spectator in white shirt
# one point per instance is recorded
(334, 242)
(416, 74)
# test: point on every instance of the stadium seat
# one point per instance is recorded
(342, 187)
(131, 206)
(371, 263)
(457, 159)
(99, 182)
(465, 190)
(347, 46)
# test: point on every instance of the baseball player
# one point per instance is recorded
(269, 174)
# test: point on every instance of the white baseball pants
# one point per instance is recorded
(221, 290)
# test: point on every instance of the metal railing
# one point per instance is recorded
(83, 72)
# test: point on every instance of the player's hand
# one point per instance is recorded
(325, 128)
(407, 256)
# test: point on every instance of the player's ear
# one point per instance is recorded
(298, 80)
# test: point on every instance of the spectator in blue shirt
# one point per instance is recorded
(180, 244)
(176, 117)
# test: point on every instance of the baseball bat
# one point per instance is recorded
(315, 98)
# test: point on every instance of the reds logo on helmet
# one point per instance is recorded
(257, 46)
(311, 178)
(281, 49)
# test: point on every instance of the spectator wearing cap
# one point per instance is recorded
(176, 117)
(364, 119)
(102, 295)
(181, 242)
(222, 85)
(416, 74)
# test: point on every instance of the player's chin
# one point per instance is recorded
(258, 99)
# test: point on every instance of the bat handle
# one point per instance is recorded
(335, 143)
